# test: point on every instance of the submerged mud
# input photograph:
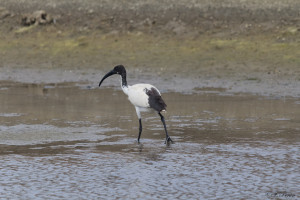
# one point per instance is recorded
(72, 140)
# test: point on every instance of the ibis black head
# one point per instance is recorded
(119, 69)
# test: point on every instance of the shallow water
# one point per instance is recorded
(74, 141)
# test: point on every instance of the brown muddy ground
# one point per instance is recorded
(242, 46)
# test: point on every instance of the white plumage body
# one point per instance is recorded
(137, 94)
(138, 97)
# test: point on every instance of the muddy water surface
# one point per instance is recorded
(75, 141)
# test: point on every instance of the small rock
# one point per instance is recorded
(39, 17)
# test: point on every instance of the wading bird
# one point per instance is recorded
(144, 97)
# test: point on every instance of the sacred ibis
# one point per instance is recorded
(144, 97)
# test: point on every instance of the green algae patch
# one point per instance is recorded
(49, 47)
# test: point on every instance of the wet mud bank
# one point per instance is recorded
(241, 46)
(265, 84)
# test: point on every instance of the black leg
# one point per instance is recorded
(140, 130)
(168, 139)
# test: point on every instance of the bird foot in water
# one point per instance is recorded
(169, 140)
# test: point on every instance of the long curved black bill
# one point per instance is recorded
(112, 72)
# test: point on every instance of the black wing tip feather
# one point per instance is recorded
(155, 100)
